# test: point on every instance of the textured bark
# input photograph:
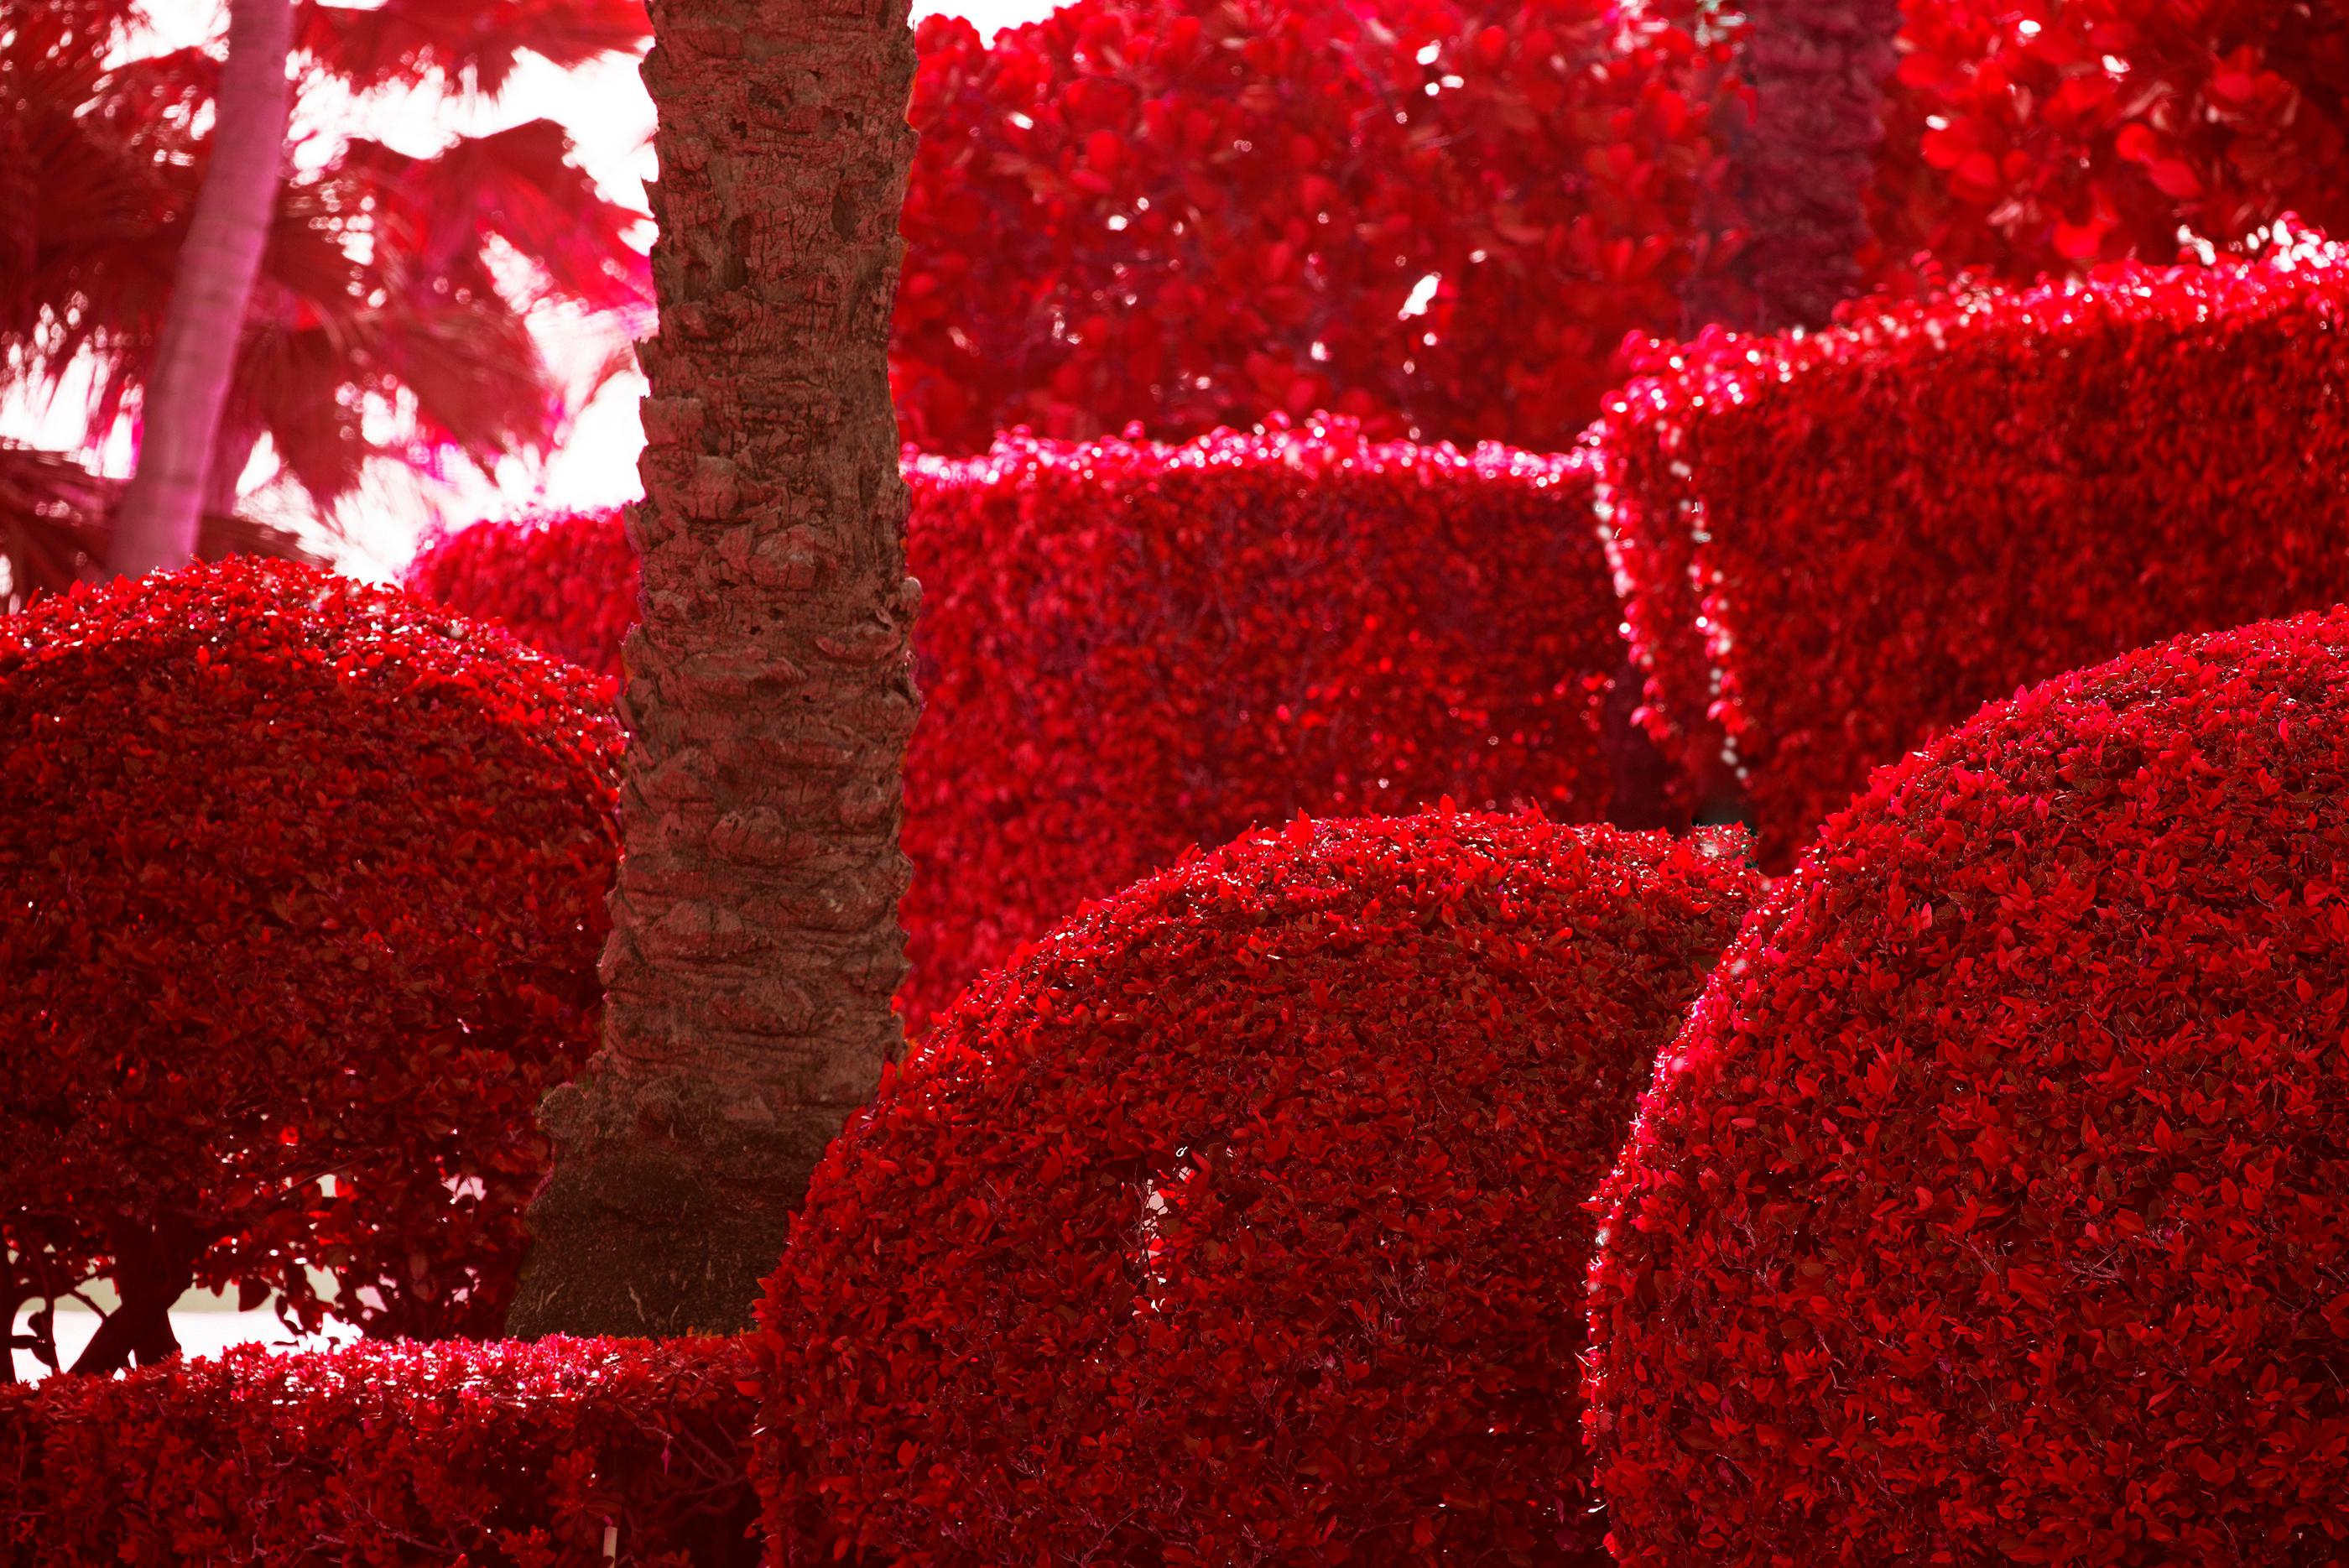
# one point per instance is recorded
(156, 523)
(755, 944)
(1799, 169)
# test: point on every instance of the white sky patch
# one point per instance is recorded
(610, 118)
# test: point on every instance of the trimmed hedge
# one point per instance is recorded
(305, 881)
(1994, 1204)
(1834, 546)
(1127, 649)
(1242, 1218)
(563, 582)
(499, 1454)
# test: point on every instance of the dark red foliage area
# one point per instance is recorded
(564, 582)
(1992, 1207)
(305, 883)
(497, 1455)
(1126, 650)
(2041, 137)
(1441, 216)
(1835, 545)
(1240, 1219)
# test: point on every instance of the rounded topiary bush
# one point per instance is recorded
(305, 886)
(1994, 1205)
(1240, 1219)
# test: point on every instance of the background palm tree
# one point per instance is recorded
(155, 523)
(386, 319)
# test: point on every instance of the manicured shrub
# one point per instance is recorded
(1441, 217)
(304, 884)
(1241, 1218)
(1991, 1206)
(1834, 546)
(1128, 648)
(499, 1454)
(564, 582)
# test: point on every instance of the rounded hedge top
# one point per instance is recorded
(1241, 1217)
(1995, 1206)
(564, 582)
(303, 879)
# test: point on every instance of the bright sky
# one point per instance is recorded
(610, 118)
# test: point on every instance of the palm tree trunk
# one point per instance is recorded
(1799, 169)
(155, 526)
(755, 944)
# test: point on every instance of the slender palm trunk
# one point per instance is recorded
(755, 944)
(155, 526)
(1799, 171)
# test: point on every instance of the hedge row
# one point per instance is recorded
(1127, 649)
(305, 887)
(1994, 1205)
(497, 1455)
(1241, 1220)
(1835, 545)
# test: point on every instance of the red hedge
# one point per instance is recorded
(1128, 648)
(305, 879)
(499, 1454)
(1193, 214)
(1239, 1218)
(1992, 1207)
(564, 582)
(1838, 544)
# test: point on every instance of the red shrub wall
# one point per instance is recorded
(1835, 545)
(1193, 214)
(1238, 1219)
(563, 582)
(1991, 1206)
(305, 880)
(1128, 648)
(499, 1455)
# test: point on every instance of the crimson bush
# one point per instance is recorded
(2043, 137)
(564, 582)
(1991, 1206)
(1441, 216)
(1127, 649)
(499, 1455)
(304, 884)
(1240, 1220)
(1835, 545)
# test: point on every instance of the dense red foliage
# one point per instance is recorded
(564, 582)
(499, 1455)
(1992, 1205)
(2039, 135)
(1835, 545)
(1439, 215)
(305, 880)
(1127, 649)
(1239, 1220)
